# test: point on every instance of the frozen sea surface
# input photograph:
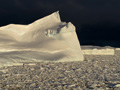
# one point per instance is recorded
(96, 72)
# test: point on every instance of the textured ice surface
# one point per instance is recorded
(47, 39)
(96, 50)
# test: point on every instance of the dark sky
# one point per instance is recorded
(95, 20)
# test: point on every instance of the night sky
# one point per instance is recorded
(97, 21)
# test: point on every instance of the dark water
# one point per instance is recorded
(97, 22)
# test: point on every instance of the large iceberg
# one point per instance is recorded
(47, 39)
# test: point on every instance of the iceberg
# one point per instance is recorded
(45, 40)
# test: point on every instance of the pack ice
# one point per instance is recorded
(45, 40)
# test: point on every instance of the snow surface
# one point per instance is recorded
(47, 39)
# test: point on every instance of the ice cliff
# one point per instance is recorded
(47, 39)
